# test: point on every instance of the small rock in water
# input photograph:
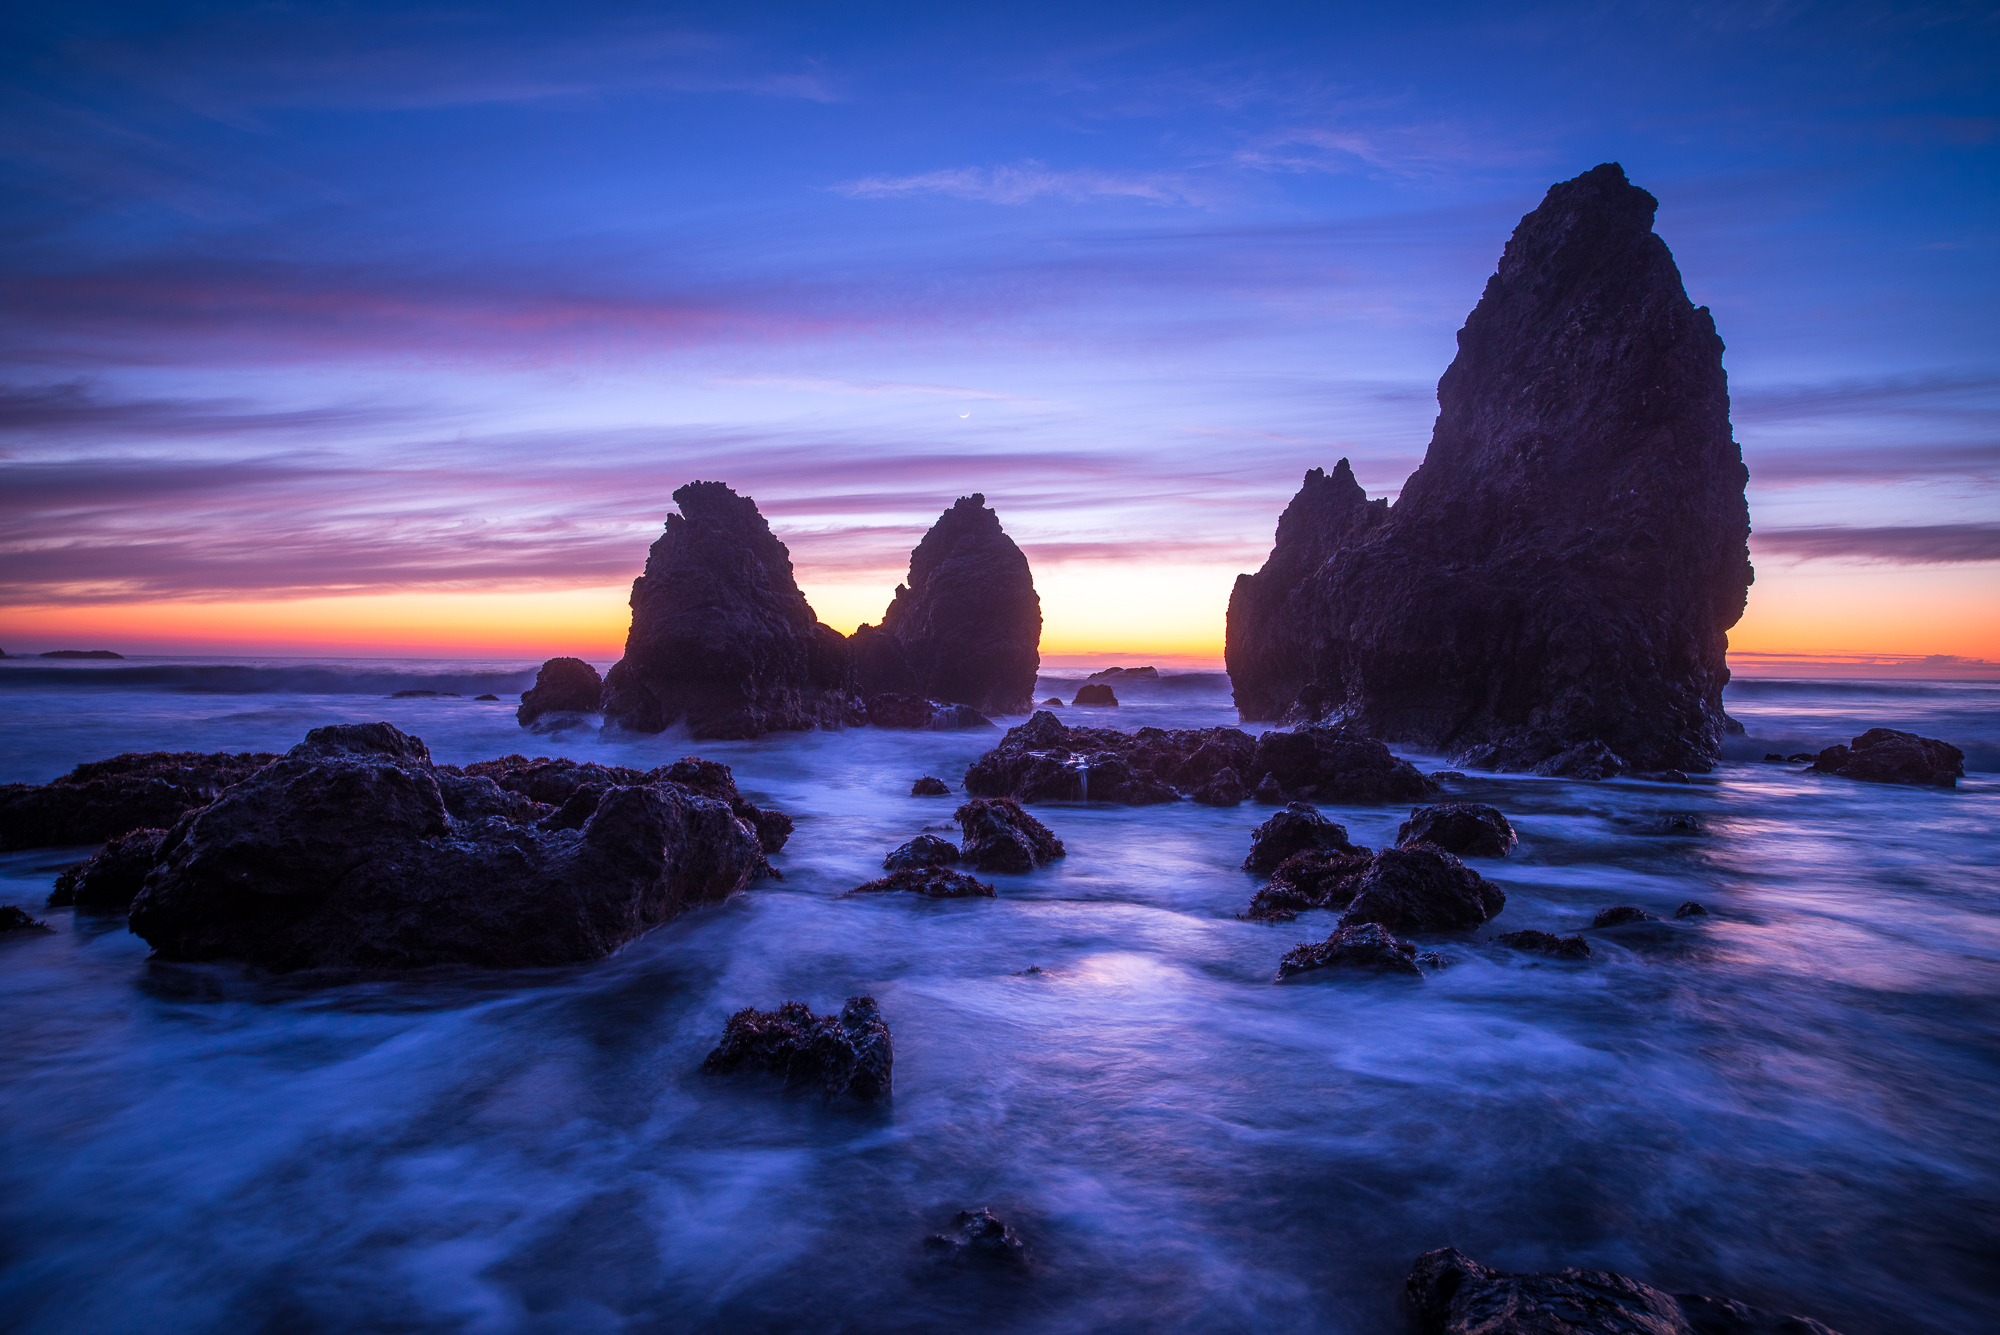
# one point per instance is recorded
(493, 698)
(932, 882)
(1771, 757)
(1677, 822)
(1469, 829)
(1422, 888)
(1691, 909)
(977, 1235)
(929, 787)
(1000, 836)
(1032, 969)
(1884, 755)
(1623, 913)
(1443, 774)
(1294, 830)
(413, 695)
(1802, 757)
(926, 850)
(562, 686)
(847, 1054)
(1224, 790)
(1364, 947)
(1546, 943)
(113, 874)
(14, 918)
(1097, 693)
(1053, 702)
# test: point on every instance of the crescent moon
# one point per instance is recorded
(966, 413)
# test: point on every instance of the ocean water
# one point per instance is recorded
(1790, 1102)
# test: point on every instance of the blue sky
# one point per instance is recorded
(337, 300)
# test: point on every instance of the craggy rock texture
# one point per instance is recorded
(106, 798)
(890, 710)
(1335, 764)
(555, 784)
(1362, 947)
(1224, 790)
(926, 850)
(1095, 693)
(929, 786)
(1691, 908)
(112, 875)
(1422, 888)
(345, 854)
(1043, 760)
(1452, 1294)
(1564, 567)
(1469, 829)
(564, 685)
(1546, 943)
(1296, 829)
(722, 640)
(14, 918)
(1883, 755)
(967, 625)
(850, 1054)
(999, 836)
(1316, 879)
(979, 1235)
(930, 881)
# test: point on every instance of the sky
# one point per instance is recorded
(390, 329)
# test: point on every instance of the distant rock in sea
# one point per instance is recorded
(722, 640)
(1554, 585)
(967, 625)
(1884, 755)
(564, 685)
(81, 653)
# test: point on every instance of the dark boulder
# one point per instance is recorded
(721, 639)
(1619, 916)
(112, 875)
(555, 781)
(932, 882)
(1000, 836)
(929, 787)
(1564, 567)
(1546, 943)
(106, 798)
(1422, 888)
(850, 1054)
(1452, 1294)
(564, 685)
(979, 1236)
(1224, 790)
(1336, 764)
(1096, 693)
(1691, 909)
(344, 854)
(966, 626)
(1295, 830)
(492, 698)
(1469, 829)
(1125, 674)
(890, 710)
(81, 653)
(14, 918)
(1316, 879)
(926, 850)
(1053, 702)
(1361, 947)
(1883, 755)
(1044, 760)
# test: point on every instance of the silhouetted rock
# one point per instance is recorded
(1469, 829)
(14, 918)
(967, 625)
(932, 882)
(1691, 909)
(849, 1054)
(978, 1235)
(722, 640)
(112, 875)
(1295, 830)
(489, 697)
(926, 850)
(106, 798)
(343, 853)
(554, 782)
(1315, 879)
(928, 786)
(1125, 674)
(1362, 947)
(81, 653)
(1622, 914)
(1884, 755)
(1043, 760)
(1452, 1294)
(1053, 702)
(916, 711)
(1546, 943)
(563, 686)
(1000, 836)
(1224, 790)
(1422, 888)
(421, 695)
(1334, 764)
(1564, 567)
(1095, 693)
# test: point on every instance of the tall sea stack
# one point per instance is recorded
(967, 627)
(721, 637)
(1557, 581)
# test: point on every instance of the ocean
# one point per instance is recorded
(1789, 1102)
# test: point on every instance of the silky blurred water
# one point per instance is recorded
(1790, 1102)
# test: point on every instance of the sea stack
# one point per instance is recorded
(967, 627)
(722, 640)
(1554, 587)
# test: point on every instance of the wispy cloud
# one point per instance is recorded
(1026, 182)
(1924, 544)
(869, 388)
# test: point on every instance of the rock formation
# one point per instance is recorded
(106, 798)
(1317, 878)
(932, 882)
(1362, 948)
(1883, 755)
(1422, 888)
(1469, 829)
(1546, 943)
(926, 850)
(967, 626)
(1095, 693)
(1299, 828)
(849, 1054)
(112, 875)
(999, 836)
(563, 686)
(1563, 569)
(981, 1236)
(722, 640)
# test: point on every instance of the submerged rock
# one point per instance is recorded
(1546, 943)
(926, 850)
(1622, 914)
(721, 639)
(1691, 909)
(1000, 836)
(929, 787)
(1315, 879)
(106, 798)
(564, 685)
(850, 1054)
(1677, 822)
(344, 854)
(1469, 829)
(929, 880)
(1884, 755)
(966, 626)
(1562, 570)
(1363, 947)
(1422, 888)
(113, 874)
(1452, 1294)
(1296, 829)
(1095, 693)
(979, 1235)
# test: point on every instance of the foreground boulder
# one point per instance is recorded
(1565, 565)
(931, 881)
(112, 875)
(1452, 1294)
(553, 784)
(721, 639)
(344, 854)
(966, 626)
(1362, 948)
(1000, 836)
(1297, 829)
(979, 1236)
(1469, 829)
(926, 850)
(848, 1055)
(563, 686)
(1883, 755)
(1422, 888)
(106, 798)
(1315, 879)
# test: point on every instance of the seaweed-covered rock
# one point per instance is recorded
(1000, 836)
(554, 782)
(1546, 943)
(103, 799)
(1336, 764)
(979, 1235)
(930, 880)
(1295, 830)
(1315, 879)
(565, 686)
(721, 639)
(1422, 888)
(851, 1054)
(929, 786)
(1043, 760)
(1884, 755)
(112, 875)
(1361, 947)
(1469, 829)
(1094, 693)
(926, 850)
